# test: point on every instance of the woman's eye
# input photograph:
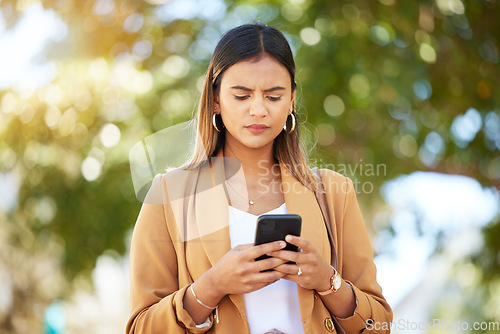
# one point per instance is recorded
(274, 98)
(241, 97)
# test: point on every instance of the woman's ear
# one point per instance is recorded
(216, 104)
(292, 106)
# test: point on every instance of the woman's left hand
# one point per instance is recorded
(315, 271)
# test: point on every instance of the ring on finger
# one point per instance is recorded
(299, 272)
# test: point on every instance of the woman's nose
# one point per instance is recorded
(257, 108)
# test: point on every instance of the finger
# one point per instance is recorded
(265, 277)
(269, 247)
(288, 269)
(287, 255)
(269, 263)
(300, 242)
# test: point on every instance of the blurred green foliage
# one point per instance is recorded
(413, 85)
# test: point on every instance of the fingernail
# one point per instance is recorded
(289, 238)
(282, 244)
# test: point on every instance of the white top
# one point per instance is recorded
(277, 305)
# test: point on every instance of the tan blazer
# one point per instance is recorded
(182, 231)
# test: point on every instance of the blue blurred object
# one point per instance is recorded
(55, 318)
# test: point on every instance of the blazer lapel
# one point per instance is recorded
(302, 201)
(212, 212)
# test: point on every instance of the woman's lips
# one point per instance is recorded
(257, 128)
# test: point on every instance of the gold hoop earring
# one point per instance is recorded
(293, 123)
(214, 123)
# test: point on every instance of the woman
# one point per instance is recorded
(192, 257)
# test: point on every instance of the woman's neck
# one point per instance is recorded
(255, 162)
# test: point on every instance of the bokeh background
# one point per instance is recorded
(402, 96)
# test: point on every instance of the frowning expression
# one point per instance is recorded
(254, 101)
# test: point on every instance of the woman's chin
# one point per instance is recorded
(256, 143)
(252, 141)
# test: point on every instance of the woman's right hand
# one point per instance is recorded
(237, 272)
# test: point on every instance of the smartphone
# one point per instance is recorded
(276, 227)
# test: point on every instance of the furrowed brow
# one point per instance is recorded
(246, 89)
(242, 88)
(274, 89)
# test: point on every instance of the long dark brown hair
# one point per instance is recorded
(238, 44)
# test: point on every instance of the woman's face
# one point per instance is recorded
(254, 101)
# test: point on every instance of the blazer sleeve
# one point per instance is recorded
(356, 261)
(155, 295)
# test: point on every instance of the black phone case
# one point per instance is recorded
(276, 227)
